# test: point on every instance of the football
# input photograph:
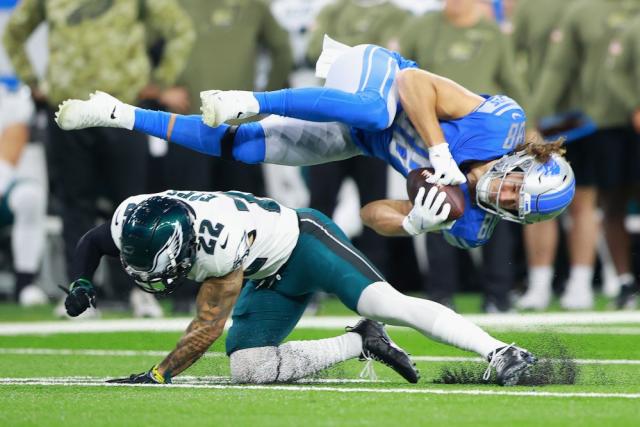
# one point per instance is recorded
(455, 197)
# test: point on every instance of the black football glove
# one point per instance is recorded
(152, 376)
(80, 296)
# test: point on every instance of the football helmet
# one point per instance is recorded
(545, 189)
(158, 244)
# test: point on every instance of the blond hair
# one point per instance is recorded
(542, 150)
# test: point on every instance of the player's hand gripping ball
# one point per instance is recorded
(455, 197)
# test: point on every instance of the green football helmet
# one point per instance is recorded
(158, 244)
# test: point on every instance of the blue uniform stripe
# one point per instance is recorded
(555, 201)
(366, 66)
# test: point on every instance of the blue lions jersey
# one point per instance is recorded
(492, 130)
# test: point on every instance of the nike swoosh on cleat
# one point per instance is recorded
(224, 245)
(113, 113)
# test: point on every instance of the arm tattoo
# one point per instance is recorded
(214, 304)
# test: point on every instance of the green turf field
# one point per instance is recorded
(58, 380)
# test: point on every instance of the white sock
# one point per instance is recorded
(626, 278)
(6, 175)
(540, 279)
(581, 276)
(380, 301)
(293, 360)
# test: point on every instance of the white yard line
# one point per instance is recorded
(99, 382)
(515, 321)
(162, 353)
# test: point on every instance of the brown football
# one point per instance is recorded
(455, 197)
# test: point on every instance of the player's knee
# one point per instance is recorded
(375, 115)
(249, 144)
(255, 365)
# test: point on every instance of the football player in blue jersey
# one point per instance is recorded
(376, 103)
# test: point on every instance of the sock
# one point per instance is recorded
(626, 278)
(293, 360)
(299, 359)
(188, 131)
(540, 279)
(581, 275)
(22, 281)
(6, 175)
(380, 301)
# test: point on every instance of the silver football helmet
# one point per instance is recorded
(546, 189)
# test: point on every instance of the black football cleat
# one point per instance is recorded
(626, 299)
(510, 362)
(377, 345)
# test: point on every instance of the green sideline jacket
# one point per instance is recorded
(624, 62)
(100, 44)
(352, 24)
(577, 57)
(230, 34)
(479, 57)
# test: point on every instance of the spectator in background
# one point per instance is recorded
(533, 24)
(23, 182)
(355, 22)
(623, 77)
(229, 36)
(99, 45)
(459, 43)
(604, 161)
(286, 183)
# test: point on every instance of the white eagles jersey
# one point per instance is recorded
(233, 229)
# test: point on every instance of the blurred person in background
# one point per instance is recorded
(604, 162)
(623, 77)
(356, 22)
(533, 24)
(100, 44)
(23, 181)
(236, 30)
(463, 45)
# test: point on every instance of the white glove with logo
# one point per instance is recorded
(446, 171)
(424, 216)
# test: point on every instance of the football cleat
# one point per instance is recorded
(627, 298)
(510, 363)
(534, 300)
(577, 296)
(100, 110)
(218, 106)
(377, 345)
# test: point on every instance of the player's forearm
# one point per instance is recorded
(385, 217)
(96, 243)
(199, 337)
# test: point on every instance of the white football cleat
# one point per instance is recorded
(577, 296)
(218, 106)
(145, 304)
(100, 110)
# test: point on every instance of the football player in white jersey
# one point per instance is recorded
(283, 256)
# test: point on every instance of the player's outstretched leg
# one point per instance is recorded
(246, 143)
(380, 301)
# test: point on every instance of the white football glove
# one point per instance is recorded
(446, 171)
(424, 216)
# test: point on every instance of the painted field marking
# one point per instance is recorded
(511, 321)
(216, 354)
(99, 382)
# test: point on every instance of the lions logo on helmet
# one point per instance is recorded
(546, 189)
(158, 243)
